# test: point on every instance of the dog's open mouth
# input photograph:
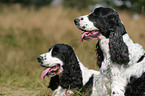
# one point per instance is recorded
(51, 71)
(90, 35)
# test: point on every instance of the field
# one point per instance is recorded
(25, 33)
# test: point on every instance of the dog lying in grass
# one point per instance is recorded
(68, 75)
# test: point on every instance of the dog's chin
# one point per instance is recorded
(90, 35)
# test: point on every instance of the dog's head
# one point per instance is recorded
(52, 61)
(105, 23)
(55, 60)
(61, 61)
(100, 22)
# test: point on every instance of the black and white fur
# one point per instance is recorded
(72, 75)
(118, 57)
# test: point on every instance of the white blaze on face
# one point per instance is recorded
(86, 24)
(49, 61)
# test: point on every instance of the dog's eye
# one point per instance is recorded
(82, 18)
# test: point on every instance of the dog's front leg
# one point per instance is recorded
(118, 83)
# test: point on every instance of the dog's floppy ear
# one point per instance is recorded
(71, 76)
(118, 48)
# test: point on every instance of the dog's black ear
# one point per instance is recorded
(54, 82)
(72, 75)
(118, 49)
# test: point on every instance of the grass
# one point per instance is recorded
(25, 33)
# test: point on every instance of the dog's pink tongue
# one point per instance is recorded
(83, 36)
(44, 73)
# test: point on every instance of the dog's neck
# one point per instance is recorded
(104, 44)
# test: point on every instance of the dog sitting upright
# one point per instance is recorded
(68, 74)
(118, 57)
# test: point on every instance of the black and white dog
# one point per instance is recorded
(68, 74)
(122, 60)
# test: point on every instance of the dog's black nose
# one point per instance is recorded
(39, 58)
(76, 21)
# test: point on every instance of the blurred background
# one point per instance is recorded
(29, 27)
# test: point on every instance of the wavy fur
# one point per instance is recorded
(74, 76)
(118, 57)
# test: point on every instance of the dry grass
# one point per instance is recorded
(25, 33)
